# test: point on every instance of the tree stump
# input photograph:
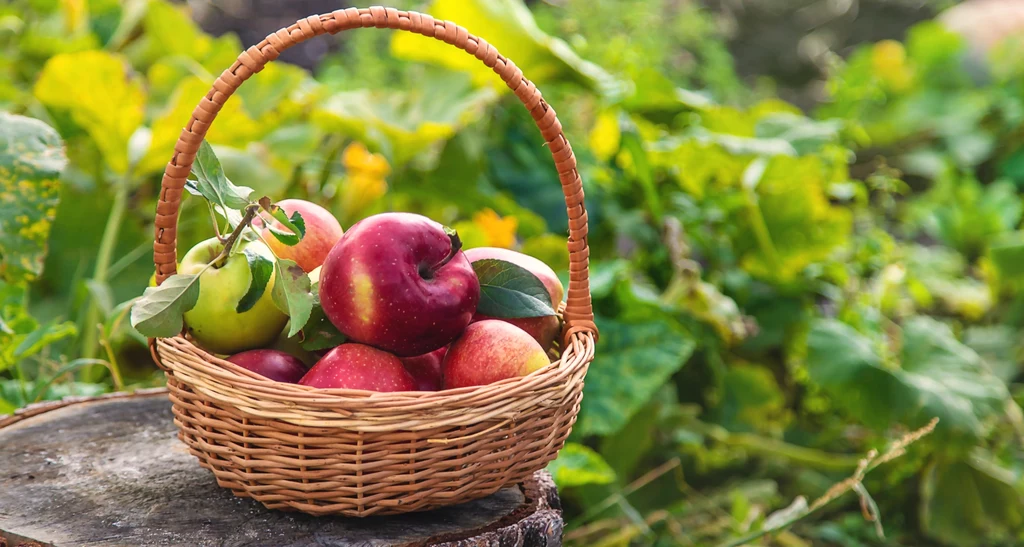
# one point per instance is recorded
(111, 471)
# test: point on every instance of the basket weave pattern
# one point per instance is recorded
(358, 453)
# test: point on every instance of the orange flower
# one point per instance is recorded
(500, 232)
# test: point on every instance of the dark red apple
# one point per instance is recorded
(276, 365)
(399, 282)
(426, 369)
(542, 329)
(322, 232)
(356, 366)
(489, 351)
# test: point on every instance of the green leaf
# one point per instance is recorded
(260, 269)
(213, 185)
(159, 313)
(578, 465)
(789, 223)
(401, 124)
(296, 226)
(107, 101)
(292, 294)
(45, 335)
(934, 375)
(1007, 254)
(234, 127)
(510, 291)
(751, 400)
(31, 160)
(971, 502)
(510, 27)
(636, 359)
(319, 333)
(6, 407)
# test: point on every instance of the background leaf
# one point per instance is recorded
(31, 160)
(971, 502)
(510, 27)
(107, 103)
(578, 465)
(937, 376)
(636, 359)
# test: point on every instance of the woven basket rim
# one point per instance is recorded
(256, 383)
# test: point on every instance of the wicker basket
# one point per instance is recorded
(359, 453)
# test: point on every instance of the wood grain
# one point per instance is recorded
(111, 472)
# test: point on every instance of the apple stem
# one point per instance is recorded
(250, 213)
(456, 247)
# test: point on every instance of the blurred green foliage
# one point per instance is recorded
(778, 293)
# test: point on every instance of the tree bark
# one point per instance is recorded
(111, 471)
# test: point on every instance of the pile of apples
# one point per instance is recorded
(400, 290)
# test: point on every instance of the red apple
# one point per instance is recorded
(322, 232)
(542, 329)
(355, 366)
(489, 351)
(426, 369)
(276, 365)
(399, 282)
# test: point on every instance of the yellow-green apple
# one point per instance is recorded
(542, 329)
(357, 366)
(322, 232)
(276, 365)
(489, 351)
(213, 322)
(399, 282)
(426, 369)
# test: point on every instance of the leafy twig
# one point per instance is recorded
(250, 213)
(871, 461)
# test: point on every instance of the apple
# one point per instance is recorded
(399, 282)
(426, 369)
(276, 365)
(357, 366)
(488, 351)
(322, 232)
(542, 329)
(213, 322)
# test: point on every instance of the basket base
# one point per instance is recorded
(112, 457)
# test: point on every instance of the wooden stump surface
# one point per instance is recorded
(111, 471)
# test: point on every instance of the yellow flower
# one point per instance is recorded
(500, 232)
(365, 182)
(889, 60)
(356, 158)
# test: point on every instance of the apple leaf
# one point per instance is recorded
(158, 314)
(261, 268)
(510, 291)
(214, 185)
(295, 224)
(319, 333)
(292, 294)
(578, 465)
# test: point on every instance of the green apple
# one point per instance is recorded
(213, 322)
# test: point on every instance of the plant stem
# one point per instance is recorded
(250, 213)
(103, 258)
(772, 447)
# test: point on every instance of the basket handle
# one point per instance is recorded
(578, 314)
